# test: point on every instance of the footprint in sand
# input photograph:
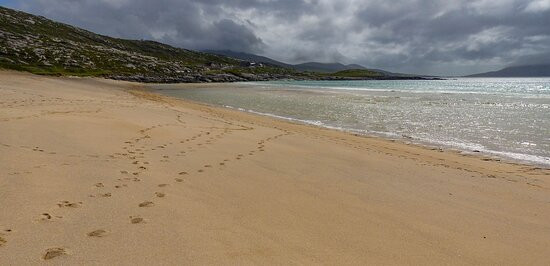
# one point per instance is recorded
(99, 185)
(178, 180)
(2, 240)
(53, 253)
(66, 203)
(136, 220)
(160, 194)
(146, 204)
(97, 233)
(182, 173)
(46, 216)
(162, 185)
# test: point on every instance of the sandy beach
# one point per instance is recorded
(101, 172)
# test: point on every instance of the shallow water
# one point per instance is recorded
(506, 117)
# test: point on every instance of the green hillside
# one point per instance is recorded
(357, 73)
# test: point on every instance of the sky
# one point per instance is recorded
(438, 37)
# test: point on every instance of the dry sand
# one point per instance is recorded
(92, 172)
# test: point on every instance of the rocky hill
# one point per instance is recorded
(308, 66)
(41, 46)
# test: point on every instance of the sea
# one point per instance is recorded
(502, 117)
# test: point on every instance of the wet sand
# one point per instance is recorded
(101, 172)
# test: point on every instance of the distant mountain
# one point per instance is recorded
(248, 57)
(309, 66)
(320, 68)
(325, 67)
(519, 71)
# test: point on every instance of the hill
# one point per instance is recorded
(304, 67)
(320, 69)
(42, 46)
(358, 73)
(249, 57)
(325, 67)
(542, 70)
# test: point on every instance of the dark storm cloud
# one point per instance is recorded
(416, 36)
(190, 24)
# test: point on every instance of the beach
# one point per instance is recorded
(97, 172)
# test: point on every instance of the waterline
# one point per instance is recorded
(508, 118)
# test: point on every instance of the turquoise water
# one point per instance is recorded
(505, 117)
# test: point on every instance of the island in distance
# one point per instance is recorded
(531, 71)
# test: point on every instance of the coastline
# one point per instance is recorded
(467, 149)
(257, 190)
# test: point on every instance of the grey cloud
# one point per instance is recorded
(459, 38)
(189, 24)
(418, 36)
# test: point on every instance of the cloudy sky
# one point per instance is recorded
(450, 37)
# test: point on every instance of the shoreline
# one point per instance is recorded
(105, 172)
(505, 157)
(485, 154)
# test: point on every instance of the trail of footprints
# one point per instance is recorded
(135, 152)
